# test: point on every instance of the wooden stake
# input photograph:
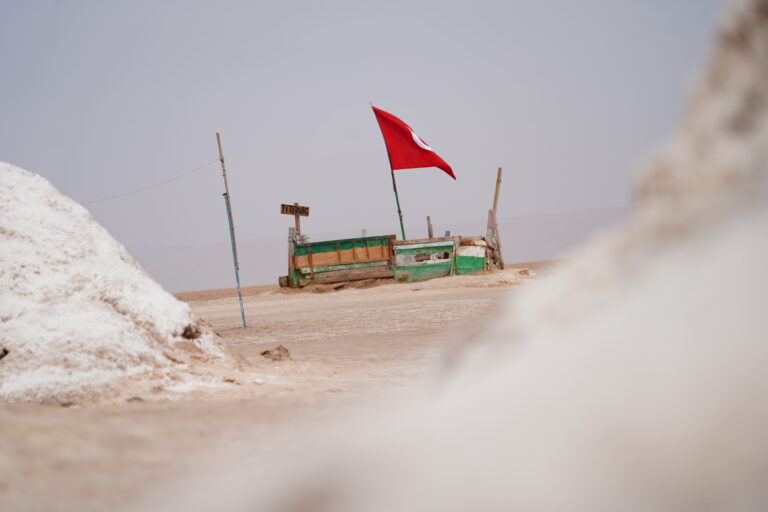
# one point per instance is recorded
(429, 227)
(228, 203)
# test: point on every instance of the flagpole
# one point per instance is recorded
(397, 198)
(394, 186)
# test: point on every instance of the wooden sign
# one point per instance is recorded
(294, 209)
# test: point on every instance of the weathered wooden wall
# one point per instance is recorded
(333, 261)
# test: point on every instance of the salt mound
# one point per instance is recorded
(79, 317)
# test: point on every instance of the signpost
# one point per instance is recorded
(297, 211)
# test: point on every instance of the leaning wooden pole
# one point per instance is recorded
(228, 203)
(498, 187)
(493, 226)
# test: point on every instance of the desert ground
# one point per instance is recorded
(351, 349)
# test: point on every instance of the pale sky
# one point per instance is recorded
(103, 97)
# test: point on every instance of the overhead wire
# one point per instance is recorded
(148, 187)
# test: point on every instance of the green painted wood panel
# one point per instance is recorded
(470, 264)
(342, 244)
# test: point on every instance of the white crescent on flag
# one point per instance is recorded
(419, 142)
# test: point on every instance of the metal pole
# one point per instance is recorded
(231, 228)
(429, 227)
(397, 198)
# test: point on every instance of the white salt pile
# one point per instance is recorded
(633, 379)
(79, 318)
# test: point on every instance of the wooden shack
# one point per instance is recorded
(334, 261)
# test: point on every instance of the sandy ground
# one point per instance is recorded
(351, 350)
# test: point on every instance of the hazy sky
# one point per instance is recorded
(102, 97)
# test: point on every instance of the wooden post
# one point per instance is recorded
(429, 228)
(228, 202)
(493, 228)
(298, 222)
(496, 194)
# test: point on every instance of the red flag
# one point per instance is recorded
(407, 150)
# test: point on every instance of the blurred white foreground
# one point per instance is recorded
(635, 379)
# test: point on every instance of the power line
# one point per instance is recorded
(148, 187)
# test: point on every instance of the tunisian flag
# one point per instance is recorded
(406, 149)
